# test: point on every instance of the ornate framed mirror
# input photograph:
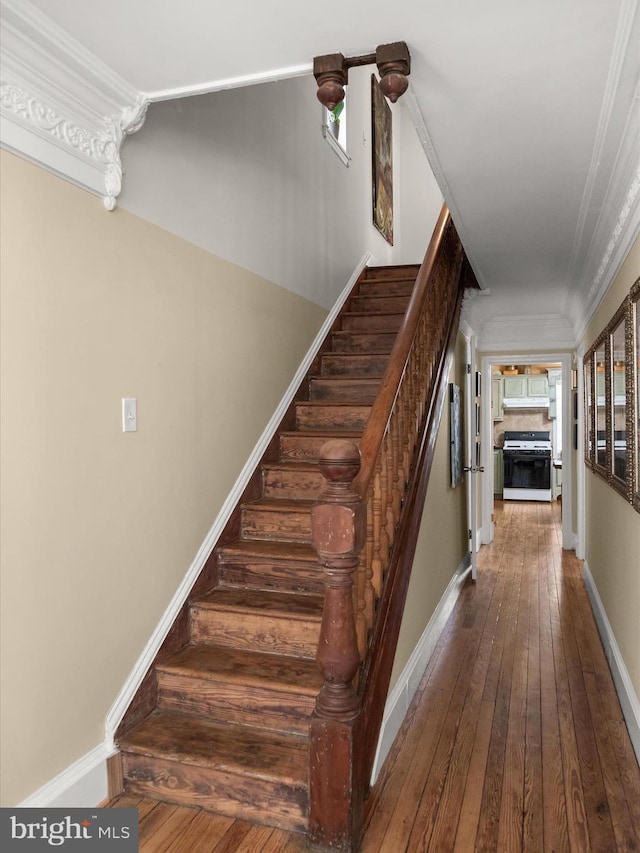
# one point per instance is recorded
(612, 401)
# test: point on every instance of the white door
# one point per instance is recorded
(472, 467)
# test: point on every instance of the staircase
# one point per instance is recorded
(229, 731)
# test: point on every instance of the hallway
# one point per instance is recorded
(514, 741)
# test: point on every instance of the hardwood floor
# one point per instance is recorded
(515, 740)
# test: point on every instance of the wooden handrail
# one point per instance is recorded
(385, 506)
(378, 664)
(390, 384)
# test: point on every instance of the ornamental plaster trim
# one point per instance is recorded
(630, 206)
(60, 106)
(101, 147)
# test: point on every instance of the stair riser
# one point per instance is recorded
(381, 273)
(387, 287)
(300, 448)
(331, 417)
(379, 304)
(277, 634)
(344, 365)
(362, 342)
(371, 322)
(236, 703)
(234, 795)
(279, 525)
(306, 448)
(343, 390)
(286, 484)
(266, 575)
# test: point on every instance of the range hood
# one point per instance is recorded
(525, 403)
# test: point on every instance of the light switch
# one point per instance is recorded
(129, 414)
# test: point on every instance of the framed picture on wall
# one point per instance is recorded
(382, 164)
(455, 436)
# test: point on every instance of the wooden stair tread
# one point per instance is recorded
(290, 604)
(298, 675)
(373, 313)
(267, 548)
(260, 753)
(331, 404)
(302, 466)
(362, 342)
(388, 270)
(350, 354)
(280, 505)
(347, 377)
(395, 278)
(322, 433)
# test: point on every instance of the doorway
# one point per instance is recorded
(537, 398)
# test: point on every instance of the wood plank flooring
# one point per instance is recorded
(515, 740)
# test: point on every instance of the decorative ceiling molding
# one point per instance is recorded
(619, 60)
(221, 85)
(612, 192)
(60, 106)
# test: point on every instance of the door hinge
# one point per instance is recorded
(469, 537)
(468, 366)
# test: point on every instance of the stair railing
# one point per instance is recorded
(365, 528)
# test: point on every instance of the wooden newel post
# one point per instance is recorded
(338, 529)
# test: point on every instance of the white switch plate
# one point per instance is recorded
(129, 414)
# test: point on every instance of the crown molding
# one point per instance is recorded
(610, 211)
(209, 86)
(60, 106)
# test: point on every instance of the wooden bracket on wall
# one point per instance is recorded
(332, 72)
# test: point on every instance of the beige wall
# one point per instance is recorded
(612, 525)
(442, 541)
(99, 527)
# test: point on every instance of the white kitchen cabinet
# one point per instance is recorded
(497, 408)
(537, 386)
(526, 385)
(515, 386)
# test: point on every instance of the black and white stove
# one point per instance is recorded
(527, 465)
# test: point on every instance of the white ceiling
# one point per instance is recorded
(530, 109)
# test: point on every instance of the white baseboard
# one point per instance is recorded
(400, 697)
(145, 660)
(626, 694)
(83, 784)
